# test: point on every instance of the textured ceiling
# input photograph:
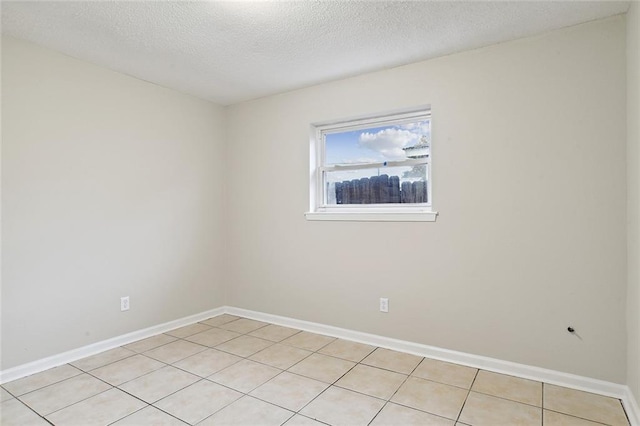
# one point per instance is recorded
(232, 51)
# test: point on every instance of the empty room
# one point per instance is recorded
(320, 213)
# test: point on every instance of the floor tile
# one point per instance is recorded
(220, 319)
(509, 387)
(351, 351)
(551, 418)
(150, 343)
(103, 358)
(243, 325)
(341, 407)
(15, 413)
(198, 401)
(244, 346)
(158, 384)
(275, 333)
(322, 367)
(189, 330)
(249, 411)
(309, 341)
(59, 395)
(372, 381)
(175, 351)
(149, 416)
(4, 395)
(280, 356)
(39, 380)
(245, 375)
(446, 372)
(485, 410)
(127, 369)
(299, 420)
(289, 391)
(394, 415)
(585, 405)
(207, 362)
(99, 410)
(212, 337)
(435, 398)
(392, 360)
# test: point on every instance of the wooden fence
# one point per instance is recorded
(380, 189)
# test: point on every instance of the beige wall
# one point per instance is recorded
(633, 194)
(111, 186)
(528, 177)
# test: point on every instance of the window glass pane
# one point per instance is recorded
(378, 144)
(395, 185)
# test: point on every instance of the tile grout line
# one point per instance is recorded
(108, 363)
(128, 415)
(201, 379)
(16, 395)
(578, 417)
(542, 405)
(134, 378)
(152, 404)
(126, 357)
(30, 409)
(544, 385)
(77, 402)
(155, 371)
(467, 397)
(147, 403)
(46, 386)
(432, 381)
(69, 405)
(395, 392)
(243, 394)
(331, 384)
(146, 350)
(334, 383)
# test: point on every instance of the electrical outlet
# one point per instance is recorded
(384, 304)
(124, 303)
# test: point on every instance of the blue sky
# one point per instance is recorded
(374, 144)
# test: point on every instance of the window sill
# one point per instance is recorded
(373, 216)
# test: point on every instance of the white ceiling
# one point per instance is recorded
(231, 51)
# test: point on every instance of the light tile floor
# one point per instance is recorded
(237, 371)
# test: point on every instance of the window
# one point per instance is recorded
(372, 168)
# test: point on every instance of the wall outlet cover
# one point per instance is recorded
(384, 304)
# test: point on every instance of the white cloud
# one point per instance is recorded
(422, 127)
(388, 142)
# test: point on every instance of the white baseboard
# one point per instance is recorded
(94, 348)
(559, 378)
(554, 377)
(631, 407)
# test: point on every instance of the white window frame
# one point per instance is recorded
(319, 210)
